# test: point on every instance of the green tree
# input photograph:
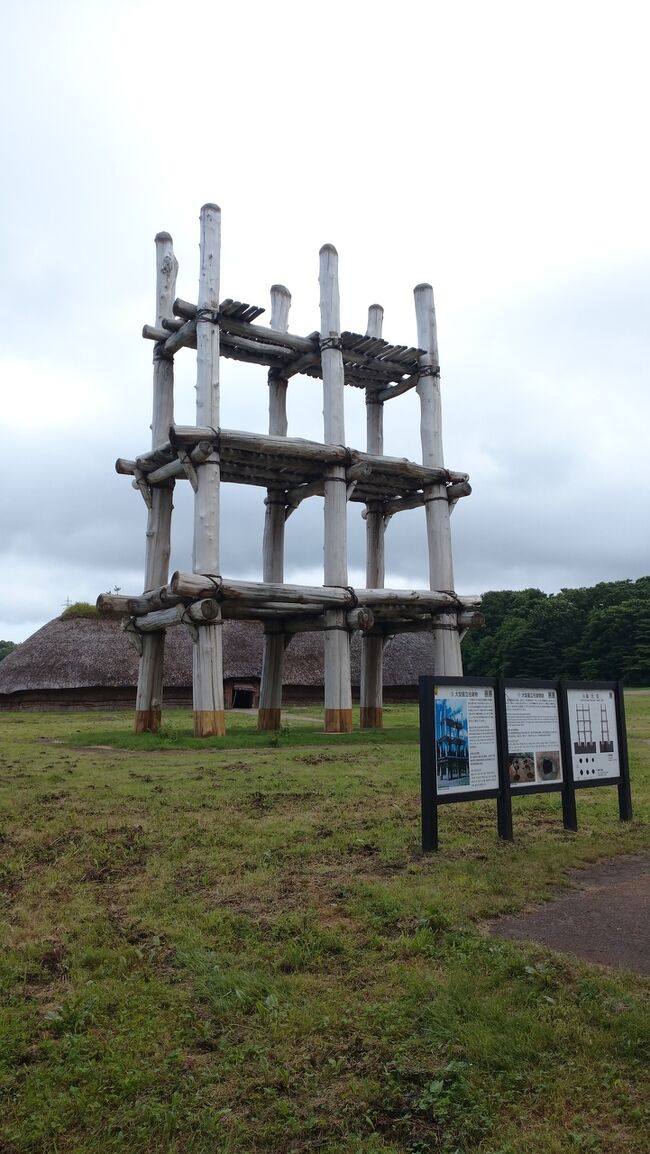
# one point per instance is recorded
(6, 647)
(602, 631)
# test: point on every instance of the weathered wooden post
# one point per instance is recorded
(148, 705)
(209, 717)
(270, 707)
(446, 640)
(372, 648)
(338, 689)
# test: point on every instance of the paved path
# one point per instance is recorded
(606, 919)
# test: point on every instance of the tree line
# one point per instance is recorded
(602, 632)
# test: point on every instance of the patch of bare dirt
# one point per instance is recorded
(604, 919)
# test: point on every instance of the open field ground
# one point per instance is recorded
(234, 946)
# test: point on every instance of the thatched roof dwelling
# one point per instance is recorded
(86, 662)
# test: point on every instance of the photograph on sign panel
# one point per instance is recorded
(521, 767)
(466, 738)
(547, 765)
(452, 743)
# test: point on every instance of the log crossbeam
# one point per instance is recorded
(264, 460)
(366, 362)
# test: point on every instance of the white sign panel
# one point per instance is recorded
(466, 738)
(594, 734)
(532, 718)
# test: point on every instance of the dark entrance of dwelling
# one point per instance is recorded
(243, 697)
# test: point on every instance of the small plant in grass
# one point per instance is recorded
(74, 1016)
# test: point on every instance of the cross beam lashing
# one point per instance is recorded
(290, 470)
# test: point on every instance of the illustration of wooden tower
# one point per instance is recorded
(290, 470)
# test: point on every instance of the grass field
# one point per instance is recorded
(237, 946)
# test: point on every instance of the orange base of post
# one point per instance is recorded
(209, 723)
(269, 718)
(338, 721)
(371, 717)
(147, 720)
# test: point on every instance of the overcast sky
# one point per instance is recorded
(497, 150)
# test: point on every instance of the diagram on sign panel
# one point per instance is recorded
(606, 743)
(585, 742)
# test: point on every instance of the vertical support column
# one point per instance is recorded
(446, 641)
(372, 648)
(148, 703)
(209, 719)
(270, 709)
(338, 688)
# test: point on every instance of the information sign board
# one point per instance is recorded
(593, 730)
(534, 741)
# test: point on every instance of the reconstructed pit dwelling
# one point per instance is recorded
(290, 470)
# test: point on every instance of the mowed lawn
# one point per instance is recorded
(237, 946)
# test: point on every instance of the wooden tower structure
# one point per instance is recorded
(290, 470)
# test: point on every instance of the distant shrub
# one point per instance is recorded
(80, 609)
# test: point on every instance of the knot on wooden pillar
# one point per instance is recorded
(205, 313)
(330, 343)
(429, 371)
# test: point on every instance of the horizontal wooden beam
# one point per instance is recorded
(196, 585)
(361, 619)
(181, 339)
(243, 329)
(402, 617)
(199, 612)
(398, 389)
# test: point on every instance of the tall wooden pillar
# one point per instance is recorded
(270, 709)
(148, 704)
(446, 640)
(209, 719)
(338, 688)
(372, 648)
